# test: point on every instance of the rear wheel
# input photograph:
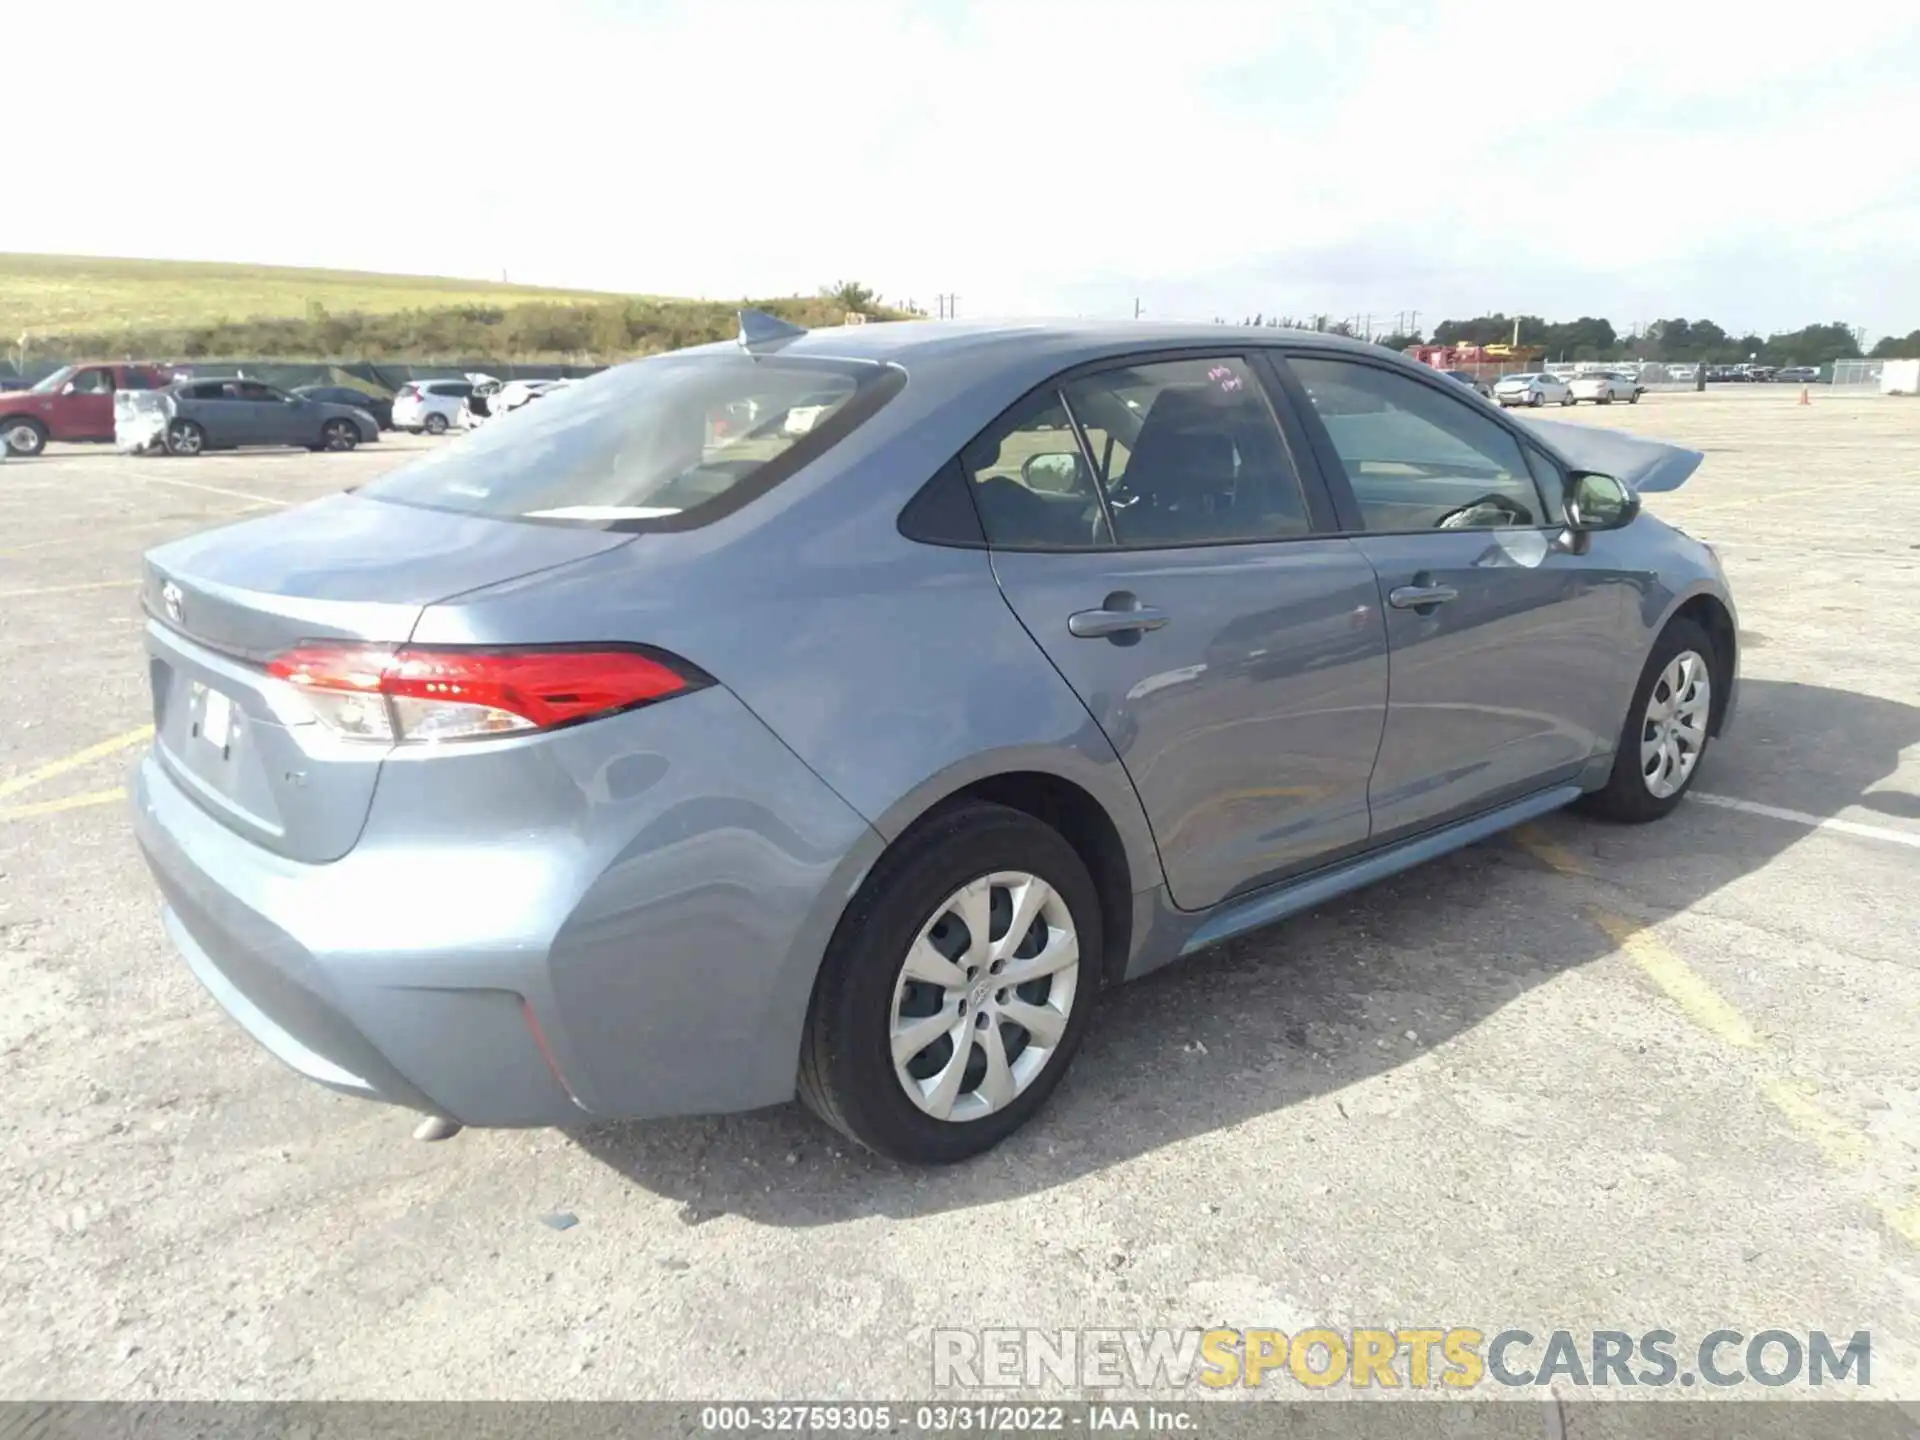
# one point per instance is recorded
(1634, 398)
(1666, 730)
(186, 437)
(1569, 400)
(434, 424)
(23, 435)
(956, 989)
(339, 435)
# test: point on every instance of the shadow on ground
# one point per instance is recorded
(1313, 1005)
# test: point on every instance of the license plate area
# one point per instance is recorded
(211, 717)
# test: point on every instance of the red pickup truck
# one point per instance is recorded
(73, 403)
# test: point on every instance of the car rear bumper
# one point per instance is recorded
(597, 931)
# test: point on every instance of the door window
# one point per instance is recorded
(1031, 483)
(1416, 457)
(93, 382)
(1176, 452)
(260, 394)
(1188, 451)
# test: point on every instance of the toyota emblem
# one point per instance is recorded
(171, 599)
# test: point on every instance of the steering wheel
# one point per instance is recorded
(1490, 508)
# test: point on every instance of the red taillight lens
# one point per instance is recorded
(379, 693)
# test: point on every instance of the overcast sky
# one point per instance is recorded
(1757, 164)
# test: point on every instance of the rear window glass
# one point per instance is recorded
(658, 444)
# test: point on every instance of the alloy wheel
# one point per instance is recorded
(984, 996)
(1674, 730)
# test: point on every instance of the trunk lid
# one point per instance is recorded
(225, 602)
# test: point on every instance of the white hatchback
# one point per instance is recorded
(429, 405)
(1537, 389)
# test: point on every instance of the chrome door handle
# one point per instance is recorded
(1095, 624)
(1419, 597)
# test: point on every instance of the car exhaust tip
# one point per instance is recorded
(437, 1127)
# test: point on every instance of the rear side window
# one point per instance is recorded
(451, 391)
(665, 443)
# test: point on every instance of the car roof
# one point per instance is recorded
(991, 344)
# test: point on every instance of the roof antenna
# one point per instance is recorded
(758, 328)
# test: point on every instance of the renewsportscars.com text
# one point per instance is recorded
(1451, 1357)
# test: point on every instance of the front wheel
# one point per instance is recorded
(186, 437)
(1666, 730)
(1536, 399)
(339, 435)
(23, 436)
(956, 989)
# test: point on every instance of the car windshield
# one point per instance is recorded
(649, 441)
(54, 381)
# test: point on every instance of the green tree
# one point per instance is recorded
(850, 295)
(1399, 341)
(1812, 345)
(1897, 347)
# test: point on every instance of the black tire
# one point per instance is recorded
(846, 1065)
(1634, 399)
(1537, 399)
(186, 437)
(434, 424)
(341, 435)
(1625, 798)
(25, 436)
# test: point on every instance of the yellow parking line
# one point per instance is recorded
(54, 807)
(1839, 1142)
(74, 761)
(67, 589)
(1683, 985)
(1549, 852)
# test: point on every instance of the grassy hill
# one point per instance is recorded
(78, 294)
(73, 307)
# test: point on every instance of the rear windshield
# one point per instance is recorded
(659, 444)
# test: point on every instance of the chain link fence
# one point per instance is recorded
(385, 376)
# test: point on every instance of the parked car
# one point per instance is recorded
(432, 406)
(594, 767)
(1603, 387)
(75, 402)
(1538, 389)
(191, 417)
(1471, 381)
(1797, 374)
(378, 406)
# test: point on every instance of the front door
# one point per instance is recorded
(1509, 650)
(85, 406)
(1150, 529)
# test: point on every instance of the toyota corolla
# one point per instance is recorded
(840, 713)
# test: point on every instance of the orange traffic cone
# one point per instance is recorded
(1804, 400)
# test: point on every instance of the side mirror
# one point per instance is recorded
(1058, 471)
(1598, 502)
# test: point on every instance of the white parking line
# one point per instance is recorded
(210, 489)
(1800, 817)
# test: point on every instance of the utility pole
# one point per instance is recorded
(1136, 307)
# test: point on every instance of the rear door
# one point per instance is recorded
(1150, 528)
(1510, 648)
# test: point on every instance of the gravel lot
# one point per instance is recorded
(1577, 1077)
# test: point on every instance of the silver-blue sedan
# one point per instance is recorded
(838, 713)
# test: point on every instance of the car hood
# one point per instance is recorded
(1643, 465)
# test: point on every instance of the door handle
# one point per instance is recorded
(1116, 618)
(1420, 597)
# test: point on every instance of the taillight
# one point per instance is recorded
(379, 693)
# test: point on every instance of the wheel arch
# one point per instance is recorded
(1118, 849)
(1712, 614)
